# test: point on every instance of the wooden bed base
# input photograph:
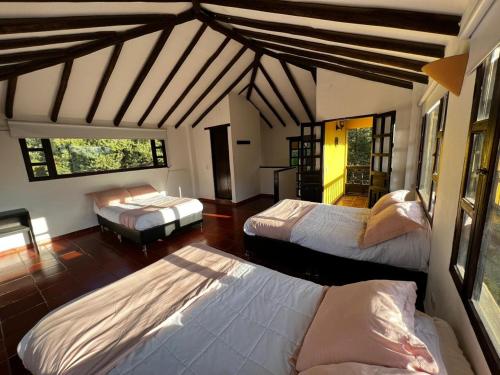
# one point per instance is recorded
(142, 237)
(325, 269)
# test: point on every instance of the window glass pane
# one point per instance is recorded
(33, 143)
(429, 140)
(40, 171)
(474, 165)
(92, 155)
(37, 156)
(158, 143)
(488, 85)
(464, 243)
(437, 155)
(433, 199)
(486, 294)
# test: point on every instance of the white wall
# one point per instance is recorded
(245, 125)
(60, 206)
(275, 145)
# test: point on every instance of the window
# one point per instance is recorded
(47, 159)
(294, 150)
(475, 261)
(430, 150)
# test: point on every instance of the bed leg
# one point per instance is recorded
(145, 249)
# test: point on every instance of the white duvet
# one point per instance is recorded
(186, 212)
(336, 230)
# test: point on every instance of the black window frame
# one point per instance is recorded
(436, 155)
(477, 210)
(52, 170)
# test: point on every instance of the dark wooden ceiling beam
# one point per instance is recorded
(397, 73)
(397, 18)
(83, 49)
(243, 89)
(269, 105)
(52, 39)
(256, 62)
(63, 85)
(195, 79)
(351, 72)
(224, 94)
(9, 58)
(9, 98)
(194, 41)
(398, 45)
(297, 90)
(30, 25)
(277, 92)
(210, 87)
(104, 82)
(148, 64)
(380, 58)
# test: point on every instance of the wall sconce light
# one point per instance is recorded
(340, 125)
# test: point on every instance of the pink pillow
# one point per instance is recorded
(369, 322)
(143, 191)
(392, 222)
(106, 197)
(351, 368)
(391, 198)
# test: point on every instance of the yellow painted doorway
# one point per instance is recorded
(335, 155)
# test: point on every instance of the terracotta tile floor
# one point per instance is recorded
(360, 201)
(32, 285)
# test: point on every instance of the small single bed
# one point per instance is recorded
(144, 215)
(196, 311)
(323, 242)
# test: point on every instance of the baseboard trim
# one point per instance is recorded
(230, 203)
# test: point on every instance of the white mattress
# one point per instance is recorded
(336, 230)
(186, 212)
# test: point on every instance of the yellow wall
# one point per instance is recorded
(335, 157)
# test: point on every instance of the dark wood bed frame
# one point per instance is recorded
(142, 237)
(325, 269)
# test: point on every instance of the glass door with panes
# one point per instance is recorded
(310, 174)
(381, 158)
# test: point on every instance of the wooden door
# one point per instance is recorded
(381, 160)
(220, 162)
(310, 174)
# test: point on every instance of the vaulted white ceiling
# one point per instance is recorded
(36, 91)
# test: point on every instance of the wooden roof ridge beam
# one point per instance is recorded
(83, 49)
(373, 68)
(104, 82)
(143, 73)
(276, 91)
(36, 24)
(52, 39)
(351, 72)
(297, 90)
(360, 54)
(384, 17)
(269, 105)
(224, 94)
(196, 78)
(363, 40)
(256, 61)
(63, 85)
(9, 98)
(173, 72)
(210, 87)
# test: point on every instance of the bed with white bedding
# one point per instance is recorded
(323, 239)
(144, 215)
(197, 311)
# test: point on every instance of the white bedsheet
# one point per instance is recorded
(186, 212)
(336, 230)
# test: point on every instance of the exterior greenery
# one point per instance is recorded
(359, 146)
